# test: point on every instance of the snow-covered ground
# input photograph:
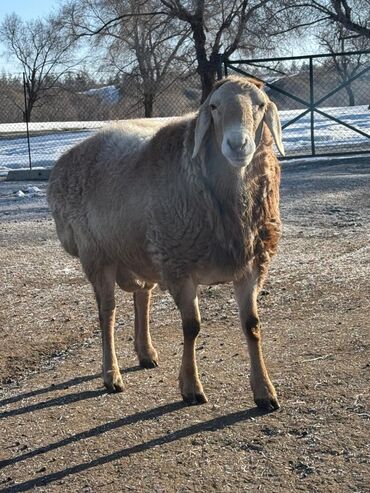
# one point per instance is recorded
(108, 94)
(20, 127)
(57, 137)
(329, 135)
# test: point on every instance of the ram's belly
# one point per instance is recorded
(213, 275)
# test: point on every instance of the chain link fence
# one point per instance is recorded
(35, 135)
(324, 104)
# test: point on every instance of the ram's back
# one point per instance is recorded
(105, 155)
(94, 186)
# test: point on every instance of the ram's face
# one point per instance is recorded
(236, 110)
(236, 113)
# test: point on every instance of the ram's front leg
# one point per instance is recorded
(246, 296)
(185, 296)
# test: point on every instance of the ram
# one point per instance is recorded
(181, 203)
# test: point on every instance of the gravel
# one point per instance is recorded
(61, 432)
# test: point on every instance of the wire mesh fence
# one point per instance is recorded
(76, 108)
(324, 100)
(324, 104)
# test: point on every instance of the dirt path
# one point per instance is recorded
(61, 432)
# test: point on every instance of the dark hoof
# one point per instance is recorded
(267, 404)
(148, 363)
(114, 387)
(194, 399)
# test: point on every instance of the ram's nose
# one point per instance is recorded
(238, 148)
(237, 143)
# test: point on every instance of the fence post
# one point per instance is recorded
(26, 118)
(312, 102)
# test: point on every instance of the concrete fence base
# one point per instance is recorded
(25, 174)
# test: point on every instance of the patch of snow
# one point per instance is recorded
(78, 125)
(31, 189)
(303, 160)
(108, 94)
(48, 126)
(28, 192)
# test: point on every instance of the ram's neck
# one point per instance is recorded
(226, 181)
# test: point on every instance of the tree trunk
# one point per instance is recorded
(148, 104)
(30, 98)
(208, 78)
(209, 72)
(27, 112)
(206, 69)
(351, 96)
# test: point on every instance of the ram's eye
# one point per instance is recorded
(261, 106)
(213, 107)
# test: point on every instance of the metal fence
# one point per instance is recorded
(324, 100)
(76, 108)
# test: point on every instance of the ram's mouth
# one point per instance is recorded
(240, 160)
(238, 163)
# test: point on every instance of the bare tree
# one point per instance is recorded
(155, 46)
(42, 51)
(217, 27)
(136, 36)
(338, 39)
(353, 15)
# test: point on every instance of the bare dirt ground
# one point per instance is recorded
(60, 430)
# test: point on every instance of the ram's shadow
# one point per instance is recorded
(98, 430)
(215, 424)
(52, 388)
(62, 400)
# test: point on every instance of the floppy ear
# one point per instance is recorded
(273, 122)
(259, 132)
(202, 125)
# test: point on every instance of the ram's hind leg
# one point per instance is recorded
(246, 295)
(104, 283)
(146, 353)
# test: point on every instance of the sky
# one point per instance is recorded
(27, 9)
